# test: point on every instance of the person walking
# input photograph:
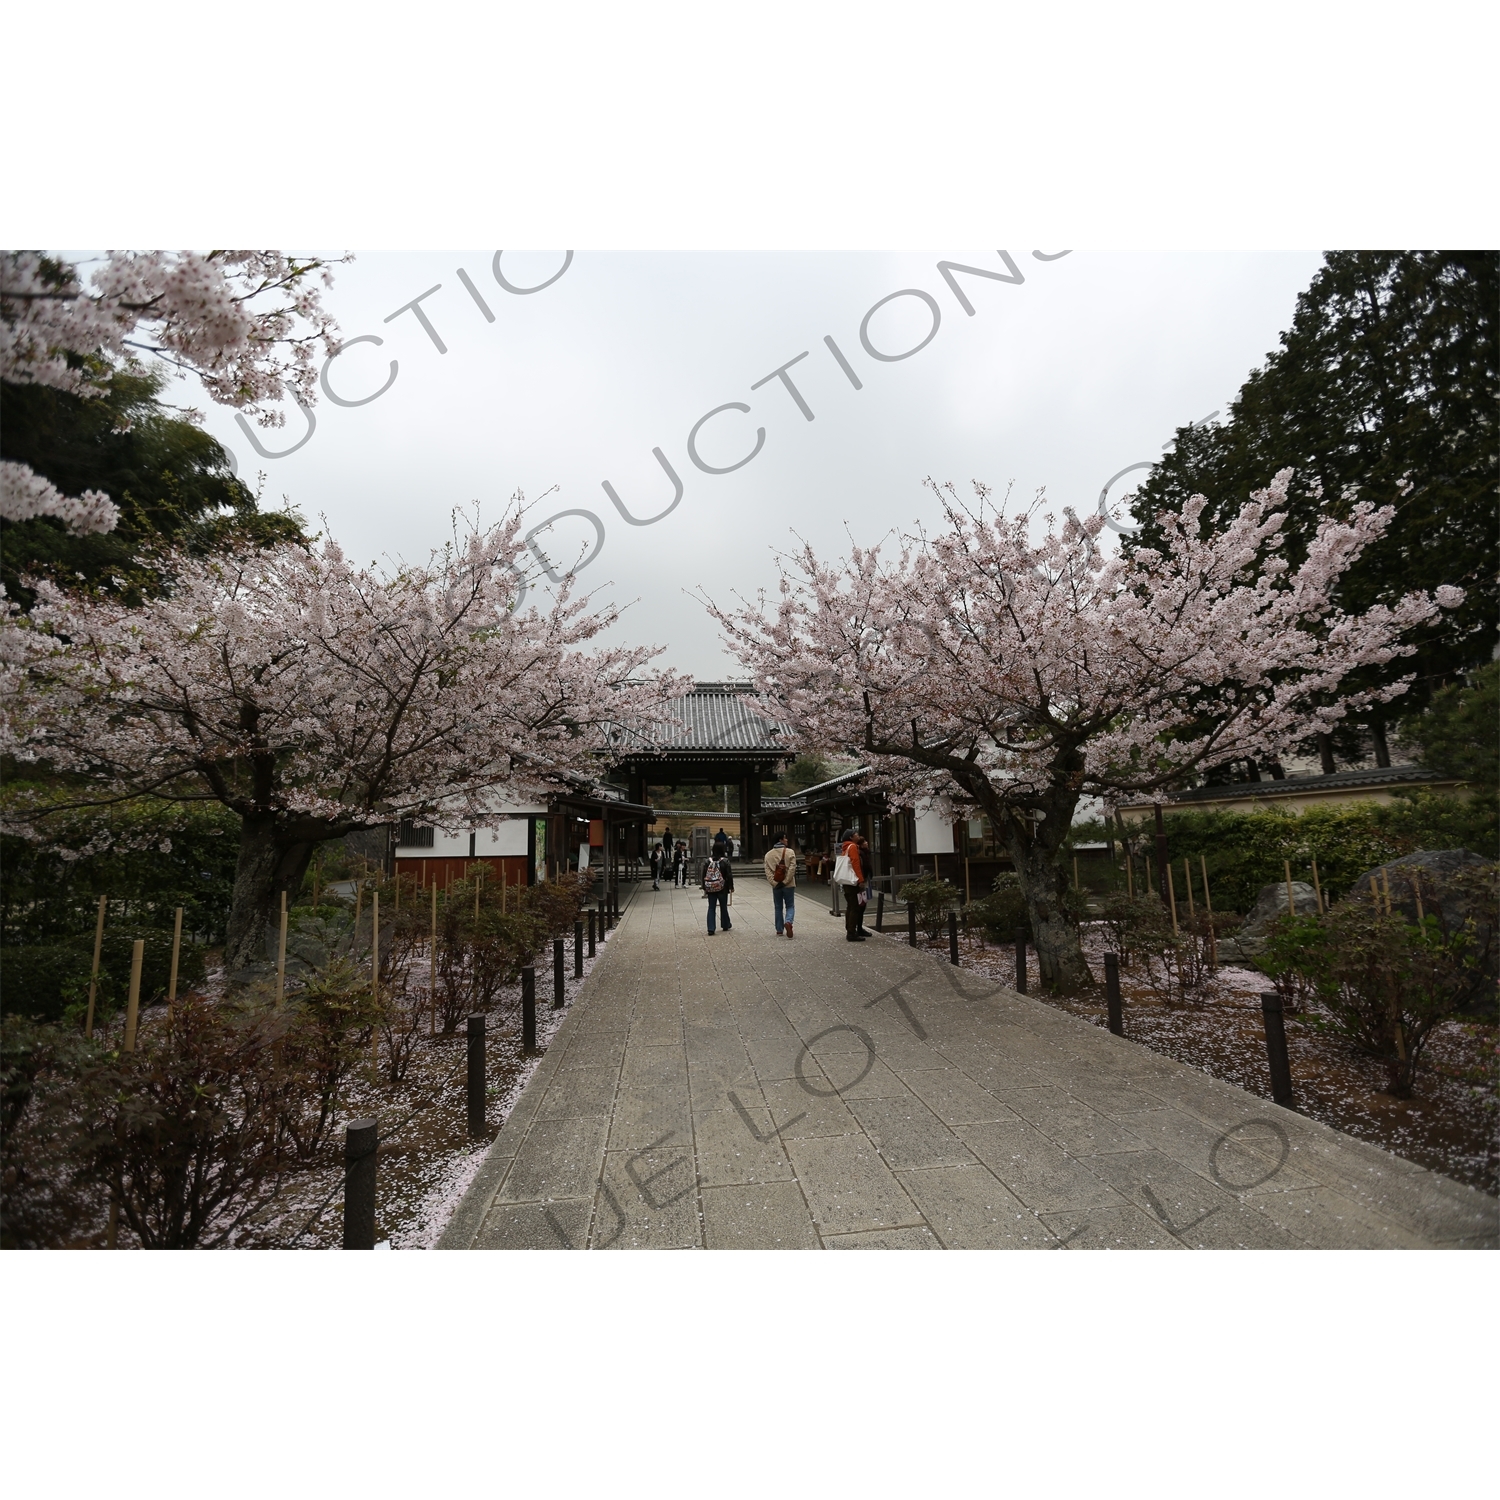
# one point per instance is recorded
(781, 871)
(852, 878)
(679, 863)
(657, 855)
(721, 844)
(718, 881)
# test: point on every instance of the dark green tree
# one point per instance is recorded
(1459, 731)
(1388, 373)
(170, 479)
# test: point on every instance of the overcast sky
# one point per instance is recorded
(1085, 367)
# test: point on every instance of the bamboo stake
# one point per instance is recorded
(1291, 907)
(1172, 898)
(1416, 890)
(1208, 906)
(176, 953)
(432, 962)
(1076, 885)
(1129, 875)
(1187, 875)
(133, 1004)
(398, 890)
(375, 985)
(88, 1025)
(1318, 887)
(281, 955)
(1385, 886)
(478, 884)
(359, 905)
(968, 894)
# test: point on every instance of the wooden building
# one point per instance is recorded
(592, 827)
(720, 734)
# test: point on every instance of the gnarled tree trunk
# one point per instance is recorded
(273, 858)
(1037, 856)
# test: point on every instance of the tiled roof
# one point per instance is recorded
(715, 716)
(1370, 777)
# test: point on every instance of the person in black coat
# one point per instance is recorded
(719, 872)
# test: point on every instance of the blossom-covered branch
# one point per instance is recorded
(311, 696)
(1017, 676)
(24, 494)
(247, 323)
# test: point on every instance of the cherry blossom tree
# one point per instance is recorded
(1018, 676)
(247, 323)
(313, 697)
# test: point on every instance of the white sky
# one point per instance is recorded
(1062, 381)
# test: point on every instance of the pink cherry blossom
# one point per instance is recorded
(311, 696)
(247, 323)
(1016, 677)
(24, 494)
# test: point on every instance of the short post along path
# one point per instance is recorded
(747, 1092)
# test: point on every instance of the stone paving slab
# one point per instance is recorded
(749, 1092)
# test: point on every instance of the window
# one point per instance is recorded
(409, 836)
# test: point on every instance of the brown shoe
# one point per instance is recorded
(789, 929)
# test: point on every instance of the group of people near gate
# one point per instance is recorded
(851, 870)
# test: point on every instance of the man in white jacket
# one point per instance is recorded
(781, 872)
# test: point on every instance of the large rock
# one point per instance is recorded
(1432, 872)
(1250, 939)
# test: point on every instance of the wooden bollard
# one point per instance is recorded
(280, 957)
(88, 1025)
(133, 1004)
(953, 938)
(578, 949)
(1020, 966)
(528, 1011)
(1208, 907)
(1112, 993)
(879, 911)
(361, 1145)
(1276, 1053)
(592, 935)
(375, 986)
(911, 924)
(432, 962)
(176, 955)
(476, 1076)
(557, 974)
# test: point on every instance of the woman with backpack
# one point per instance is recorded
(781, 871)
(718, 881)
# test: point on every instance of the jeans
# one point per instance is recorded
(718, 900)
(784, 899)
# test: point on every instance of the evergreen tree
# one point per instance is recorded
(1388, 373)
(170, 480)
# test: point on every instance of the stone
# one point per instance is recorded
(1455, 901)
(1250, 939)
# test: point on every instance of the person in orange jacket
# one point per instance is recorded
(853, 911)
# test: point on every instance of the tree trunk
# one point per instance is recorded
(1325, 754)
(270, 861)
(1382, 746)
(1038, 865)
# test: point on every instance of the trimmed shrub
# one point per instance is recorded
(51, 982)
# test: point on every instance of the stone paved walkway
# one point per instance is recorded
(752, 1093)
